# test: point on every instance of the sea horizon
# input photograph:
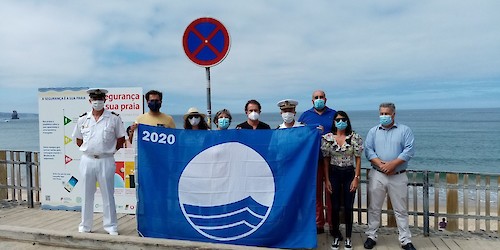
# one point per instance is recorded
(298, 112)
(443, 140)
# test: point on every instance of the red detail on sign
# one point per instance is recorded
(207, 34)
(67, 159)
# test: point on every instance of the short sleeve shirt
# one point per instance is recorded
(261, 125)
(342, 155)
(161, 120)
(310, 117)
(99, 137)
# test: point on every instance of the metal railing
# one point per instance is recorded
(468, 201)
(19, 177)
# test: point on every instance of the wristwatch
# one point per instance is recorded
(357, 177)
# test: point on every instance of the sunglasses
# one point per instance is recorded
(319, 97)
(341, 119)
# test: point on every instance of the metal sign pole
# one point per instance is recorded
(209, 102)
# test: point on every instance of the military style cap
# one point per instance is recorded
(287, 103)
(95, 92)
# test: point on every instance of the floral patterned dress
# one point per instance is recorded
(342, 155)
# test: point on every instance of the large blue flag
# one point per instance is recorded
(245, 187)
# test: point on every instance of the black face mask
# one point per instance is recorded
(154, 105)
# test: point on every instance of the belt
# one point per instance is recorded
(399, 172)
(350, 167)
(99, 156)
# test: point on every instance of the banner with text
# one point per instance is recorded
(245, 187)
(59, 110)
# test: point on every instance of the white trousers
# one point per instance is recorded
(103, 171)
(395, 186)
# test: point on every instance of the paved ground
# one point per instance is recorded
(25, 228)
(24, 245)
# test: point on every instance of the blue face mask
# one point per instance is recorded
(341, 125)
(223, 123)
(154, 105)
(319, 104)
(385, 120)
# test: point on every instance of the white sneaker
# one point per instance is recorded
(81, 230)
(113, 233)
(335, 244)
(348, 244)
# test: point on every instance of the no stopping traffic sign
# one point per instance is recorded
(206, 41)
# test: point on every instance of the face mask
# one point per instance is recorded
(319, 104)
(154, 105)
(98, 105)
(288, 117)
(254, 116)
(385, 120)
(223, 123)
(341, 125)
(194, 121)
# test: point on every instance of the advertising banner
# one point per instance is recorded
(59, 110)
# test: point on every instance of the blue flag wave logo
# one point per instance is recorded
(224, 197)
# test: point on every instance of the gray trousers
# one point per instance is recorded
(395, 186)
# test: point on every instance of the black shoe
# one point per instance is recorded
(335, 244)
(369, 243)
(320, 230)
(409, 246)
(348, 244)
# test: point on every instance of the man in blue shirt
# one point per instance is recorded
(322, 116)
(389, 147)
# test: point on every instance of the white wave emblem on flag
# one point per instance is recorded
(226, 192)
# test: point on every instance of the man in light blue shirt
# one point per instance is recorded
(389, 147)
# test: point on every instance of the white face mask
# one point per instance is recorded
(98, 105)
(254, 116)
(288, 117)
(194, 121)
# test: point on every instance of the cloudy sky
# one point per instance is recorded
(418, 54)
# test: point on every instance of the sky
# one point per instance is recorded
(417, 54)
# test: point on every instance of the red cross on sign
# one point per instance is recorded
(206, 41)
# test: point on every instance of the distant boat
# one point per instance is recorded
(14, 115)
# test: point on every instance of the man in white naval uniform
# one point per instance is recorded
(99, 134)
(287, 110)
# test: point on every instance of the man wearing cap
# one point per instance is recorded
(288, 113)
(322, 116)
(98, 133)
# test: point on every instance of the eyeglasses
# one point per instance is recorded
(341, 119)
(319, 97)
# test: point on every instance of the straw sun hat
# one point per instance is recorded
(193, 111)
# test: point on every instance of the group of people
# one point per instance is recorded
(388, 146)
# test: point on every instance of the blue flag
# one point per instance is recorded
(244, 187)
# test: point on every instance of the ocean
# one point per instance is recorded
(451, 140)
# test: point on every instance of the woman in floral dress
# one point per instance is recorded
(342, 150)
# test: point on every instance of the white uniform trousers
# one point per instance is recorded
(395, 186)
(103, 171)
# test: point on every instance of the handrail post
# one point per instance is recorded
(3, 175)
(452, 201)
(426, 203)
(29, 179)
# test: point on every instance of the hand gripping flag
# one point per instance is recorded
(244, 187)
